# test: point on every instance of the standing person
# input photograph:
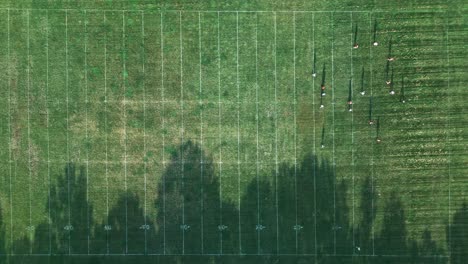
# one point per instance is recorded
(322, 143)
(378, 139)
(387, 70)
(390, 57)
(402, 91)
(314, 72)
(392, 91)
(371, 122)
(350, 96)
(355, 45)
(362, 82)
(375, 43)
(322, 85)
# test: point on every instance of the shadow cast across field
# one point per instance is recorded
(298, 214)
(457, 234)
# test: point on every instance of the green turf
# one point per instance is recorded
(140, 129)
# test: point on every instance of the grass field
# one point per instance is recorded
(194, 133)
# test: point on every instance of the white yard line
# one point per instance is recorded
(238, 131)
(48, 133)
(105, 129)
(295, 129)
(333, 136)
(235, 255)
(227, 11)
(201, 126)
(10, 135)
(449, 161)
(124, 78)
(276, 141)
(220, 147)
(28, 80)
(315, 165)
(163, 127)
(144, 125)
(182, 127)
(68, 127)
(257, 117)
(86, 126)
(372, 156)
(352, 135)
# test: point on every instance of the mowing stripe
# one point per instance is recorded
(163, 127)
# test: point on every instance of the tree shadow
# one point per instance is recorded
(192, 217)
(457, 236)
(393, 240)
(3, 249)
(299, 210)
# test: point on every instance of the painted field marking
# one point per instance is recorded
(372, 156)
(124, 78)
(234, 255)
(333, 134)
(449, 233)
(10, 133)
(229, 11)
(276, 140)
(163, 126)
(105, 128)
(182, 128)
(48, 133)
(238, 131)
(295, 128)
(257, 117)
(352, 132)
(448, 70)
(28, 80)
(86, 126)
(220, 146)
(68, 128)
(144, 124)
(201, 126)
(315, 165)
